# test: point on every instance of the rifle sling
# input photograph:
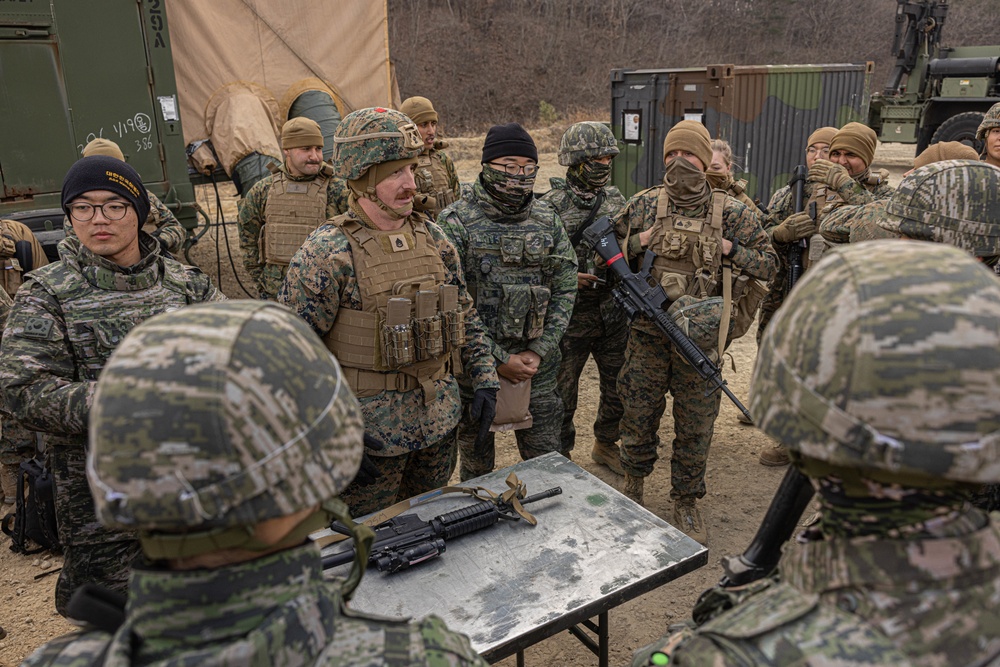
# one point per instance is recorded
(578, 235)
(512, 496)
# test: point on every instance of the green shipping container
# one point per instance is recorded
(766, 114)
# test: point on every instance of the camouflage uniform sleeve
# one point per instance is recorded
(477, 357)
(5, 304)
(445, 647)
(205, 287)
(779, 208)
(168, 227)
(453, 183)
(37, 369)
(320, 274)
(562, 263)
(251, 222)
(77, 649)
(754, 253)
(637, 216)
(336, 197)
(835, 226)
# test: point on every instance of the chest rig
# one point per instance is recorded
(431, 177)
(688, 250)
(411, 328)
(510, 274)
(293, 210)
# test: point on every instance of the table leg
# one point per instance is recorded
(520, 659)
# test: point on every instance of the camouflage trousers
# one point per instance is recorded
(652, 368)
(546, 409)
(403, 476)
(609, 355)
(776, 292)
(107, 564)
(16, 442)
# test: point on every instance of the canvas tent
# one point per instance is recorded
(243, 67)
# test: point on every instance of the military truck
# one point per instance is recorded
(934, 93)
(168, 81)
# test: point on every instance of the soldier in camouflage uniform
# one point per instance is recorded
(848, 179)
(521, 270)
(700, 237)
(282, 209)
(598, 327)
(67, 318)
(989, 134)
(437, 179)
(779, 210)
(385, 291)
(20, 252)
(894, 418)
(231, 577)
(720, 176)
(862, 220)
(161, 224)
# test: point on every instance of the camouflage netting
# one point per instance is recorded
(220, 415)
(886, 356)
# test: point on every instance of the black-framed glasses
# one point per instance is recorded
(515, 169)
(112, 210)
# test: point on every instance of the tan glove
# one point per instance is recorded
(831, 173)
(796, 226)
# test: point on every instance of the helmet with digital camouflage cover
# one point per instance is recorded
(217, 417)
(990, 120)
(953, 201)
(372, 136)
(886, 357)
(586, 141)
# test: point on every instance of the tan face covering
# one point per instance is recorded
(686, 184)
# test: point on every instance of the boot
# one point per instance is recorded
(633, 488)
(774, 457)
(607, 454)
(10, 473)
(687, 518)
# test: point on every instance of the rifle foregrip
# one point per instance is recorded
(466, 520)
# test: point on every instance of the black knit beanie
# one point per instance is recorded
(510, 140)
(100, 172)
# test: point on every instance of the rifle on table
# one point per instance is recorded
(407, 539)
(798, 185)
(637, 293)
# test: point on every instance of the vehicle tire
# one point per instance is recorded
(961, 127)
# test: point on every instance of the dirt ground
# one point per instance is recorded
(739, 488)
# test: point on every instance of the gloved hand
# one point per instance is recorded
(830, 173)
(796, 226)
(483, 408)
(368, 472)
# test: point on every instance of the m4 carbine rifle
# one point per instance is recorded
(407, 539)
(637, 293)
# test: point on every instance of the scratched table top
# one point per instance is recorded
(511, 585)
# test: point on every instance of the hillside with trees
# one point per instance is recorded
(489, 61)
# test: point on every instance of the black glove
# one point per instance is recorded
(369, 472)
(484, 408)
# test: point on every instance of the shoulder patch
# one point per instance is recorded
(37, 327)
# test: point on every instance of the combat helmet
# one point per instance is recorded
(216, 417)
(954, 201)
(886, 357)
(367, 137)
(585, 141)
(991, 119)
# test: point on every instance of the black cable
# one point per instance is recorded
(221, 221)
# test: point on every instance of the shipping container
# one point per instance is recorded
(766, 113)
